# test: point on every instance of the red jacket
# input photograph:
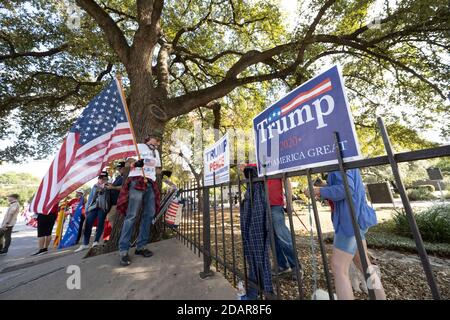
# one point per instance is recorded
(122, 202)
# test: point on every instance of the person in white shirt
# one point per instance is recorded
(141, 192)
(8, 223)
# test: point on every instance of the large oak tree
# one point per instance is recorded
(177, 56)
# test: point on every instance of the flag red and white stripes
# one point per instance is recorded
(101, 134)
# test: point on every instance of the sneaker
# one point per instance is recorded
(281, 271)
(40, 252)
(95, 244)
(2, 253)
(144, 252)
(125, 260)
(82, 247)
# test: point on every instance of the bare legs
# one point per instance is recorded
(44, 242)
(340, 265)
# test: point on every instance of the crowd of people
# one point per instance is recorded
(125, 195)
(129, 193)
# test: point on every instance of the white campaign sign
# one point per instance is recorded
(216, 161)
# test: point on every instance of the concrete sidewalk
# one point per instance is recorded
(172, 273)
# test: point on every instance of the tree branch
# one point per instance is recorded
(118, 12)
(104, 72)
(180, 32)
(312, 29)
(162, 68)
(358, 46)
(148, 32)
(47, 53)
(113, 33)
(188, 55)
(236, 24)
(252, 57)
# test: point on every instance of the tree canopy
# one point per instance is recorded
(23, 184)
(179, 56)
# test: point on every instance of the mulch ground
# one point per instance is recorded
(402, 274)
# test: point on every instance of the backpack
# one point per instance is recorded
(102, 200)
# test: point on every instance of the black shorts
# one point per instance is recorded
(45, 223)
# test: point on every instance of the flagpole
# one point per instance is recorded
(127, 112)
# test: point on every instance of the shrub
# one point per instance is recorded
(433, 223)
(428, 187)
(420, 193)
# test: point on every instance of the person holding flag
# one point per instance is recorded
(140, 190)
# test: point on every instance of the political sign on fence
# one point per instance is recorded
(296, 132)
(216, 161)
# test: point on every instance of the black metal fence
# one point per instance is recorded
(210, 220)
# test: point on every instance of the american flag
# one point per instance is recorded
(101, 134)
(300, 99)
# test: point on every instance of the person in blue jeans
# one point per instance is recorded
(142, 190)
(283, 239)
(344, 246)
(96, 207)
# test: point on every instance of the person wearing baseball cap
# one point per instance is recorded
(97, 206)
(140, 190)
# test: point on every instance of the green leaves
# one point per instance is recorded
(400, 69)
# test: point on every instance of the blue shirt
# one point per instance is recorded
(335, 191)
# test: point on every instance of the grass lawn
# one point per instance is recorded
(383, 236)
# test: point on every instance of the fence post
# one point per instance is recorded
(409, 213)
(271, 232)
(298, 266)
(206, 236)
(349, 198)
(323, 252)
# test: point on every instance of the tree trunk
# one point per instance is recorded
(146, 109)
(217, 119)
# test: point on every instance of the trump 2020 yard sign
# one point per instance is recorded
(296, 132)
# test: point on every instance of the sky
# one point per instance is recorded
(289, 8)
